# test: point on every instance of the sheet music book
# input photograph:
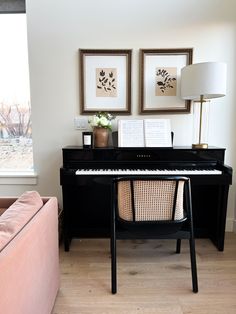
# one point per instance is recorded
(144, 133)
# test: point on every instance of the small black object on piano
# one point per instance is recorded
(87, 139)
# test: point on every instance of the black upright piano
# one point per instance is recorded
(86, 175)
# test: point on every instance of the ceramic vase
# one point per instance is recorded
(100, 136)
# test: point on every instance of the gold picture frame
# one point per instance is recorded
(160, 80)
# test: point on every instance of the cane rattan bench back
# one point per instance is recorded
(150, 200)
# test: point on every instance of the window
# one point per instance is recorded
(15, 113)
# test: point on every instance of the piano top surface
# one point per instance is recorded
(74, 147)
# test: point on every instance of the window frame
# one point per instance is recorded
(28, 177)
(12, 6)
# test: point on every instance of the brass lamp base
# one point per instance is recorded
(200, 145)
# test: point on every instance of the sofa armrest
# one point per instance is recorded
(29, 277)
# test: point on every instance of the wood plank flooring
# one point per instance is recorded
(151, 278)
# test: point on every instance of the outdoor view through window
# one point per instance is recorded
(15, 123)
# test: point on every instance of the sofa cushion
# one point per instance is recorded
(17, 215)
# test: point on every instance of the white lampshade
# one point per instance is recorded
(207, 79)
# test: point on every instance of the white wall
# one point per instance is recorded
(57, 29)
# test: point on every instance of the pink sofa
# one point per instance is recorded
(29, 258)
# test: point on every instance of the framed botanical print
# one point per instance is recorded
(105, 81)
(160, 80)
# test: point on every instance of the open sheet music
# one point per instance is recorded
(144, 133)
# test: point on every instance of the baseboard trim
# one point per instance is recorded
(230, 225)
(234, 225)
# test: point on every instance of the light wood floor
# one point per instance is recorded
(151, 278)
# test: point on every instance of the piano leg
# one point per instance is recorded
(66, 235)
(221, 217)
(209, 211)
(87, 209)
(67, 242)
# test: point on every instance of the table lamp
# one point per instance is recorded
(201, 82)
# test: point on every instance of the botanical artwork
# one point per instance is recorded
(106, 82)
(166, 81)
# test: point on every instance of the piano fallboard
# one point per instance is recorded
(73, 155)
(86, 195)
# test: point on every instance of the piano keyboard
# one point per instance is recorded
(177, 172)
